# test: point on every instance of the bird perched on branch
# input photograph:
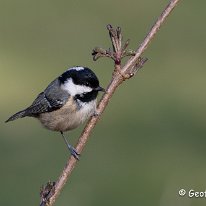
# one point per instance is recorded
(67, 102)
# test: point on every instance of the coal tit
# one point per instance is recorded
(67, 102)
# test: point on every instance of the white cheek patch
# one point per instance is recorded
(74, 89)
(76, 68)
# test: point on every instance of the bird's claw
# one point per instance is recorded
(96, 114)
(74, 153)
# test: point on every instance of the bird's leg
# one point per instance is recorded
(74, 153)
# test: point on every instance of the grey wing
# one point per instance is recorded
(42, 104)
(51, 99)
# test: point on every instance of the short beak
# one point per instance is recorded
(99, 89)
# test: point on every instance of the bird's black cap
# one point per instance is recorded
(80, 76)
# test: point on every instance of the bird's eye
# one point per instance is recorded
(87, 83)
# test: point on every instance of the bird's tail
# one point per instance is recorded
(17, 115)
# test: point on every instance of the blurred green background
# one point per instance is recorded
(151, 139)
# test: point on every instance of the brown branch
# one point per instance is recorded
(143, 46)
(119, 75)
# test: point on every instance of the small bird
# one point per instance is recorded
(67, 102)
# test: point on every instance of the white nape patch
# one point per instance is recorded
(74, 89)
(76, 68)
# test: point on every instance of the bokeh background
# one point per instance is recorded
(151, 140)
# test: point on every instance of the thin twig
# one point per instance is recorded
(119, 75)
(153, 31)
